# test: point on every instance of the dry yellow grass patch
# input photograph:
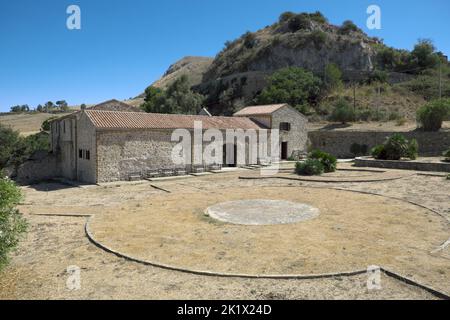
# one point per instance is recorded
(352, 232)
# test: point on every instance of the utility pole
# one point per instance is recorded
(440, 78)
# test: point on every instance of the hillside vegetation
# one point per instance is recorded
(380, 82)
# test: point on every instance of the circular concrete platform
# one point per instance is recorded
(259, 212)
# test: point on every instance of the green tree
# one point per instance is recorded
(154, 99)
(292, 85)
(424, 55)
(49, 106)
(62, 105)
(15, 149)
(16, 109)
(333, 77)
(12, 224)
(178, 98)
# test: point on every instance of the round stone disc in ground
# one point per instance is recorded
(262, 212)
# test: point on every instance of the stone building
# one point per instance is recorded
(290, 122)
(99, 145)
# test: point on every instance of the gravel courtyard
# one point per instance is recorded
(164, 222)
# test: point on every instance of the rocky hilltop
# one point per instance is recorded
(193, 67)
(306, 41)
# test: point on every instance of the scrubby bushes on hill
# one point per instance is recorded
(343, 112)
(431, 115)
(347, 27)
(395, 148)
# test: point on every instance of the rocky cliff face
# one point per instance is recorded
(312, 47)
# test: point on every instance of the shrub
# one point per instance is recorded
(249, 40)
(333, 77)
(319, 38)
(413, 149)
(378, 76)
(46, 124)
(378, 152)
(318, 17)
(285, 16)
(431, 115)
(12, 225)
(299, 22)
(310, 167)
(395, 148)
(448, 176)
(328, 161)
(347, 27)
(343, 112)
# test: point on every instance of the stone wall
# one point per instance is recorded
(297, 137)
(417, 165)
(338, 143)
(122, 153)
(86, 140)
(41, 166)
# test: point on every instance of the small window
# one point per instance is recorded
(88, 155)
(285, 126)
(80, 154)
(64, 126)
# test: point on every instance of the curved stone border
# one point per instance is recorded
(392, 274)
(388, 176)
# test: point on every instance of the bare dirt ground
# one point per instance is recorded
(38, 268)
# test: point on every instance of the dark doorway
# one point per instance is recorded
(284, 151)
(225, 164)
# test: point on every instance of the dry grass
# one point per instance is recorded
(352, 232)
(38, 268)
(26, 123)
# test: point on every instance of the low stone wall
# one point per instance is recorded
(339, 143)
(41, 166)
(403, 165)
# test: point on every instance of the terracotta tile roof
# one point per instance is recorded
(135, 120)
(259, 110)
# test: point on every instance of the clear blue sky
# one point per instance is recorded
(124, 46)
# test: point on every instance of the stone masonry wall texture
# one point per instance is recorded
(338, 143)
(297, 137)
(121, 153)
